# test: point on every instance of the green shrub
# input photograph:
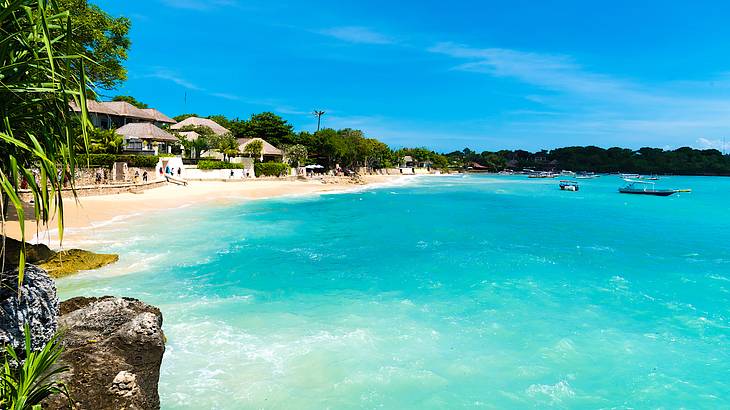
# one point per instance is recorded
(270, 169)
(208, 164)
(107, 160)
(29, 378)
(142, 161)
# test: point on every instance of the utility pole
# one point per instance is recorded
(319, 115)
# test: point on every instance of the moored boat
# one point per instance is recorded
(567, 185)
(647, 188)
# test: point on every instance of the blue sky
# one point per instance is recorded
(447, 75)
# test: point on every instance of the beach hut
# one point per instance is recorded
(201, 122)
(146, 138)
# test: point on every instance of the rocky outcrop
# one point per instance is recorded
(36, 305)
(57, 264)
(114, 349)
(68, 262)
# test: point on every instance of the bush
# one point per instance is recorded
(107, 160)
(142, 161)
(270, 169)
(208, 164)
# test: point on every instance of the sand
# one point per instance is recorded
(93, 211)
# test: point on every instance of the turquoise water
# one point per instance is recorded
(446, 292)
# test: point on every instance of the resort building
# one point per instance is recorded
(146, 138)
(108, 115)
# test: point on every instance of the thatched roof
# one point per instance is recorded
(145, 131)
(125, 109)
(158, 116)
(201, 122)
(93, 106)
(267, 150)
(189, 135)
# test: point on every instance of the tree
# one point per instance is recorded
(228, 146)
(105, 141)
(296, 154)
(270, 127)
(254, 148)
(205, 141)
(181, 117)
(102, 38)
(131, 100)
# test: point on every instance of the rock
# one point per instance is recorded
(68, 262)
(37, 306)
(114, 347)
(57, 264)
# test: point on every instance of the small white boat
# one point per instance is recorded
(567, 185)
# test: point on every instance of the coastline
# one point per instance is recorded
(83, 216)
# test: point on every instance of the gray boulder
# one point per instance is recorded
(114, 349)
(37, 306)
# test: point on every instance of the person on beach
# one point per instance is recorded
(144, 176)
(167, 169)
(231, 173)
(136, 177)
(178, 172)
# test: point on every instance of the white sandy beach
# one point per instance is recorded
(93, 211)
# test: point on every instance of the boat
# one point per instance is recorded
(587, 175)
(630, 176)
(647, 188)
(649, 177)
(568, 185)
(542, 175)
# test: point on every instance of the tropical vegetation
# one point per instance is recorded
(27, 379)
(42, 68)
(270, 169)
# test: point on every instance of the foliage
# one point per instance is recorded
(181, 117)
(227, 145)
(131, 100)
(685, 160)
(107, 160)
(207, 164)
(40, 74)
(296, 154)
(104, 141)
(103, 39)
(24, 384)
(268, 126)
(254, 148)
(207, 139)
(270, 169)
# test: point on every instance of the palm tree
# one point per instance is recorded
(319, 115)
(254, 148)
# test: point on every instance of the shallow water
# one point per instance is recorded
(449, 292)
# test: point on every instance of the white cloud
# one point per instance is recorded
(357, 34)
(165, 74)
(596, 108)
(718, 144)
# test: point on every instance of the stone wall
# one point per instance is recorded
(100, 189)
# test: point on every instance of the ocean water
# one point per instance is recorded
(441, 292)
